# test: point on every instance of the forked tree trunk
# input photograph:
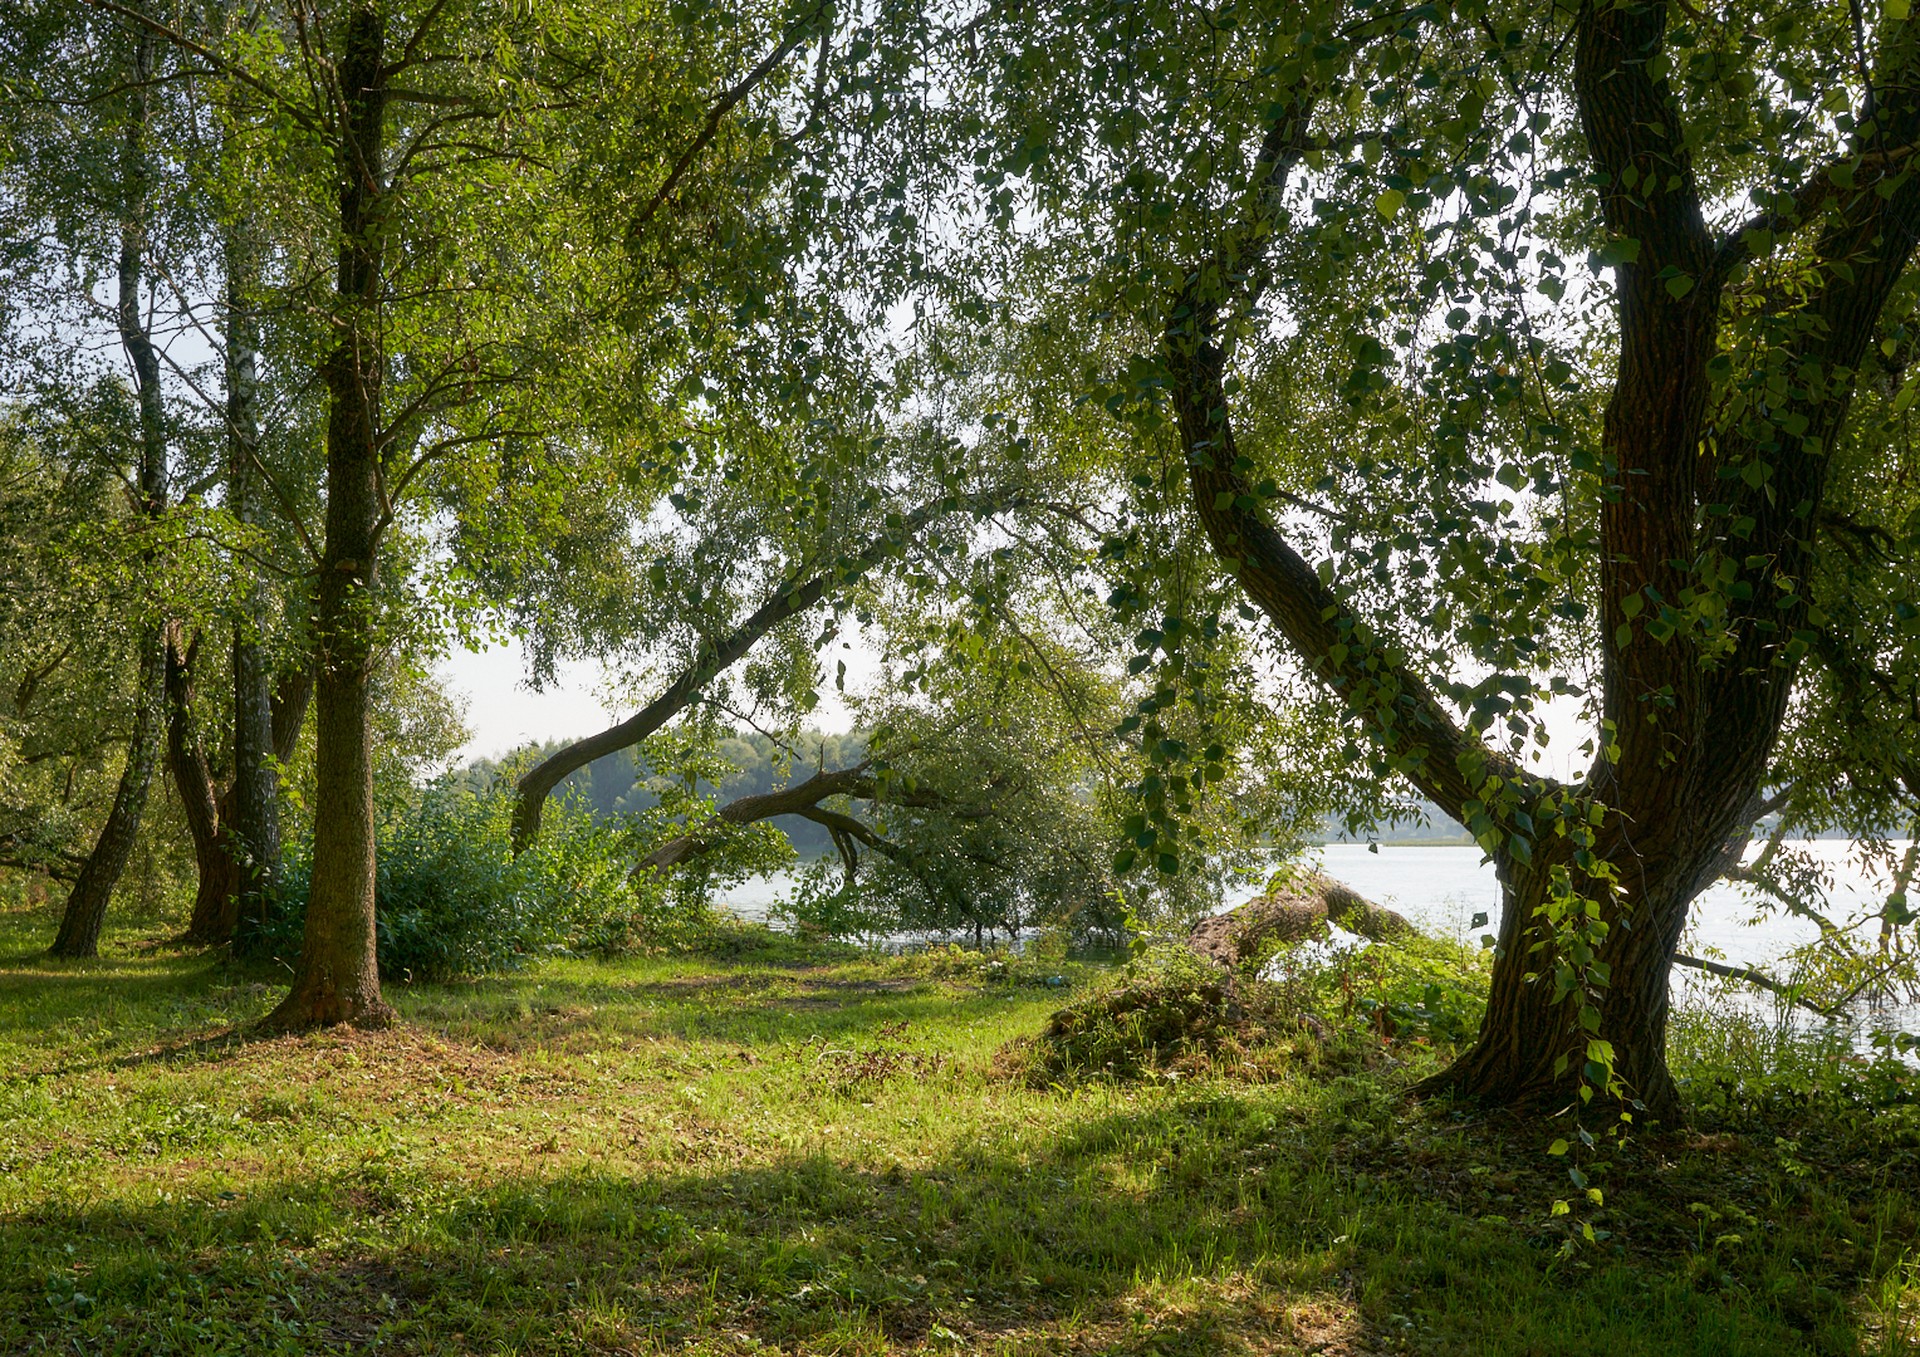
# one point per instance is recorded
(1690, 727)
(200, 799)
(223, 912)
(337, 979)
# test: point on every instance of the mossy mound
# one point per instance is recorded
(1166, 1016)
(1296, 910)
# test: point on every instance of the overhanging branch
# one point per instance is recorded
(795, 596)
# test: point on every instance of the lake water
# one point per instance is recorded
(1441, 889)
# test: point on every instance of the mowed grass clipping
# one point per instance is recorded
(769, 1148)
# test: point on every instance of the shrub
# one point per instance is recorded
(1170, 1014)
(453, 900)
(1166, 1014)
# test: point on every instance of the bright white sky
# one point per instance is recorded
(503, 712)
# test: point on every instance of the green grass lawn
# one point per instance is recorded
(772, 1149)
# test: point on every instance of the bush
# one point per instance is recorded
(1167, 1014)
(453, 900)
(1171, 1014)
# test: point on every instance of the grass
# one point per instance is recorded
(772, 1148)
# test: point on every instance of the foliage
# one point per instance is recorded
(1170, 1014)
(1744, 1073)
(65, 680)
(1430, 380)
(454, 900)
(1006, 774)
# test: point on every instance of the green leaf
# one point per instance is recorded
(1620, 250)
(1389, 203)
(1559, 1147)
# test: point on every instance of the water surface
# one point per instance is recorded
(1441, 889)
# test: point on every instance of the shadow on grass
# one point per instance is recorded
(743, 1009)
(1222, 1220)
(1194, 1227)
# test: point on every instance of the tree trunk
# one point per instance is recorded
(212, 918)
(337, 979)
(86, 909)
(287, 713)
(253, 822)
(1532, 1051)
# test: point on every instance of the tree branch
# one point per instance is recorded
(717, 114)
(1760, 234)
(1759, 979)
(798, 799)
(1402, 711)
(794, 596)
(226, 68)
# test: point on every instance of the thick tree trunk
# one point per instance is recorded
(337, 979)
(1532, 1049)
(86, 910)
(215, 898)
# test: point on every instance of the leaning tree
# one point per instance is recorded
(1325, 264)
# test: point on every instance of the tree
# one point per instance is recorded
(792, 598)
(130, 189)
(70, 97)
(68, 680)
(1326, 250)
(235, 891)
(469, 339)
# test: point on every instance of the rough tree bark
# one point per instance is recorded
(1693, 731)
(200, 799)
(337, 979)
(794, 597)
(86, 908)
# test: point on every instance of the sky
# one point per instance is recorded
(504, 712)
